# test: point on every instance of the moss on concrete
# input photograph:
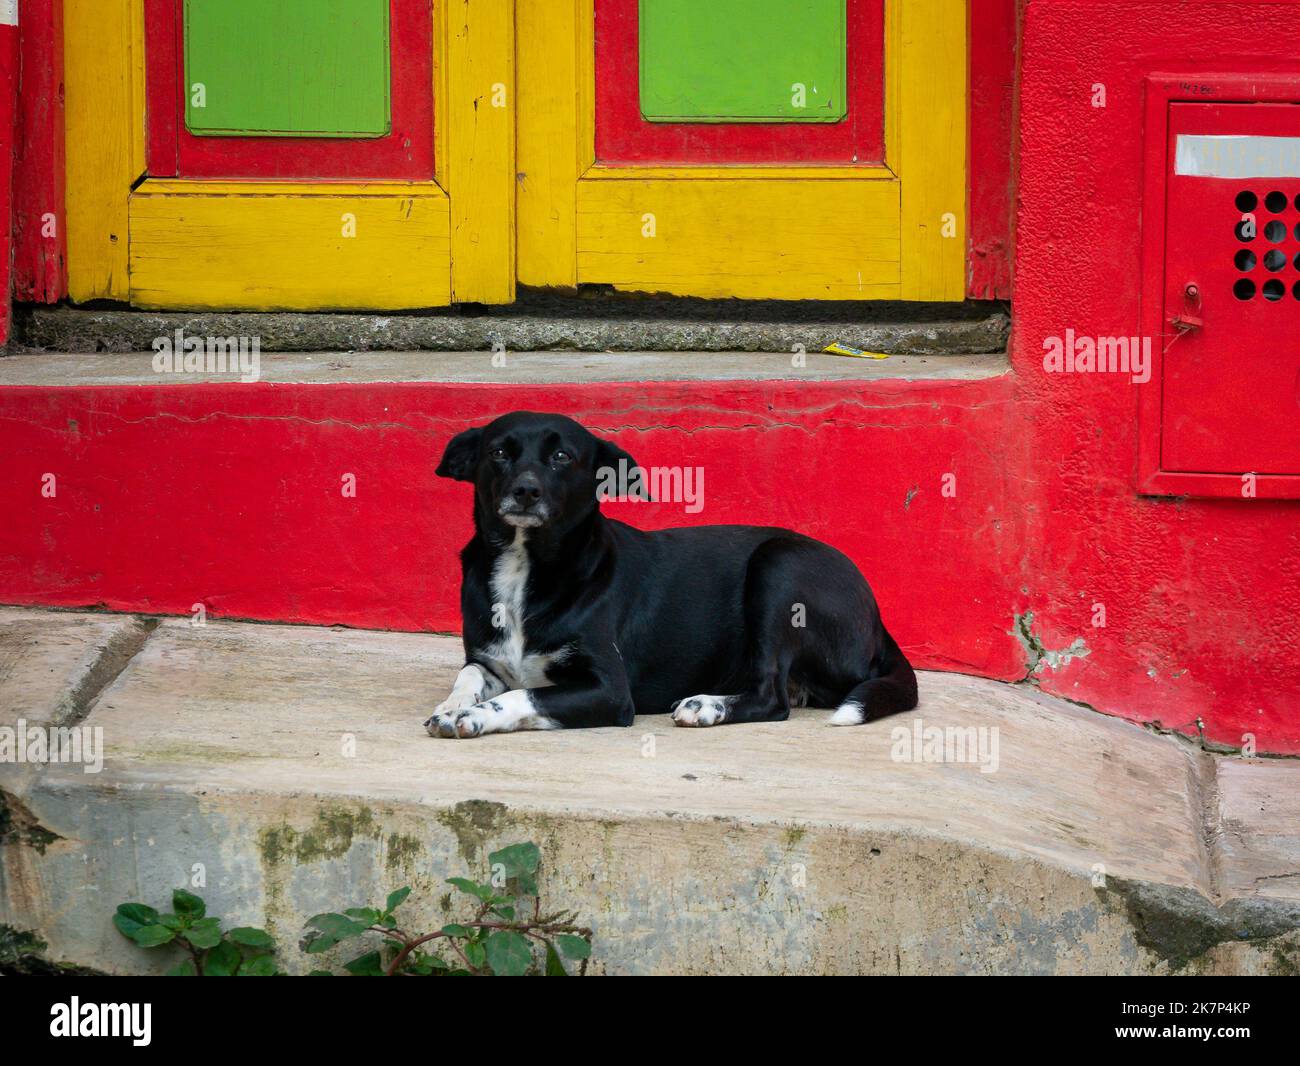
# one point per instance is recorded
(473, 822)
(401, 852)
(330, 836)
(19, 826)
(22, 954)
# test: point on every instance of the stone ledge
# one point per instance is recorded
(600, 326)
(72, 369)
(789, 847)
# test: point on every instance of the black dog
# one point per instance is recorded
(574, 620)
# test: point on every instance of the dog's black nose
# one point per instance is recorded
(527, 490)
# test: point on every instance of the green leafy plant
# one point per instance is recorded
(507, 936)
(239, 952)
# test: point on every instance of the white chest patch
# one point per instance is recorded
(509, 654)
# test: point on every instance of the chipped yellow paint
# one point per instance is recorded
(549, 159)
(790, 238)
(289, 246)
(481, 148)
(104, 87)
(926, 49)
(732, 173)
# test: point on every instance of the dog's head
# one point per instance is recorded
(532, 470)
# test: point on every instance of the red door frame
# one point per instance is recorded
(40, 247)
(623, 137)
(406, 153)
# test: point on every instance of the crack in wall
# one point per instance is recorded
(1038, 657)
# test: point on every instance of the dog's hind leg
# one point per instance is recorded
(762, 704)
(764, 694)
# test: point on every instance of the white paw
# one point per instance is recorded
(457, 701)
(506, 713)
(849, 713)
(461, 723)
(700, 710)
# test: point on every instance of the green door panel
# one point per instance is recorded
(743, 60)
(287, 68)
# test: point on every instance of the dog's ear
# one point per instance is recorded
(461, 456)
(619, 473)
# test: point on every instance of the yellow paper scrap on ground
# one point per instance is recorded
(857, 353)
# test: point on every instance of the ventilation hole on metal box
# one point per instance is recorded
(1244, 289)
(1295, 290)
(1244, 259)
(1245, 230)
(1275, 202)
(1246, 201)
(1274, 259)
(1275, 231)
(1274, 290)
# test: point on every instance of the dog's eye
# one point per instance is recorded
(561, 457)
(498, 454)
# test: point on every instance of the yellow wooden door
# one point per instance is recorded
(310, 244)
(892, 229)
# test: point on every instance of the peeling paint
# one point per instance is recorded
(1038, 657)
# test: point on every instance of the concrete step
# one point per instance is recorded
(551, 322)
(80, 369)
(288, 763)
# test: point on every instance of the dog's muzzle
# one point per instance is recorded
(522, 504)
(524, 519)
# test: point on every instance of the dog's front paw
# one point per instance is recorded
(441, 723)
(700, 711)
(452, 705)
(503, 714)
(466, 723)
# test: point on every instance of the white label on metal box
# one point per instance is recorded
(1231, 156)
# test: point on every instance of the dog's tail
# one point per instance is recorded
(890, 688)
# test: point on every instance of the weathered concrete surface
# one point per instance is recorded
(136, 368)
(289, 766)
(594, 326)
(52, 662)
(1259, 827)
(52, 665)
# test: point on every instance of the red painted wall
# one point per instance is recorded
(1202, 597)
(231, 495)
